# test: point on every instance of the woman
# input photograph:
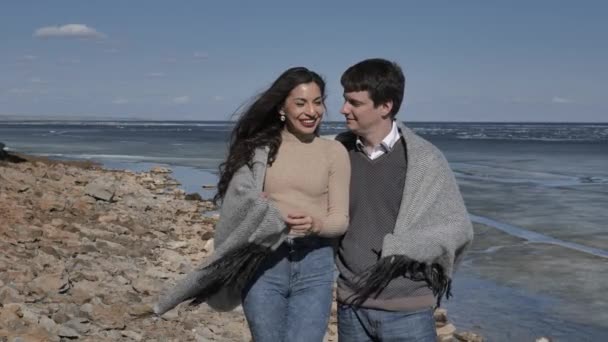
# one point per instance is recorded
(284, 197)
(307, 178)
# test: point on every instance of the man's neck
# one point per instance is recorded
(375, 136)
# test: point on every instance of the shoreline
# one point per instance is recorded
(192, 179)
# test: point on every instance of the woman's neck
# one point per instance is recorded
(290, 134)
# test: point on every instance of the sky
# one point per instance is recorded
(202, 60)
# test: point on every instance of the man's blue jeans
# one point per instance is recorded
(290, 297)
(360, 324)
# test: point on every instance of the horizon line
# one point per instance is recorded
(13, 118)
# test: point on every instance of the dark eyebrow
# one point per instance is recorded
(303, 99)
(349, 99)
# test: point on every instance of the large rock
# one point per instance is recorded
(101, 189)
(161, 170)
(469, 337)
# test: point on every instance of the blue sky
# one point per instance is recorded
(200, 60)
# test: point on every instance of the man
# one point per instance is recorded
(408, 223)
(3, 153)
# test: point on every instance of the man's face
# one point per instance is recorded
(361, 114)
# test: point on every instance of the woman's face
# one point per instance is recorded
(304, 108)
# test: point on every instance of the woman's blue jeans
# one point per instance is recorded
(289, 299)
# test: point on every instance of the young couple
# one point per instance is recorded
(386, 196)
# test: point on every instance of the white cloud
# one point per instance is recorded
(155, 74)
(68, 31)
(558, 99)
(120, 100)
(181, 99)
(201, 55)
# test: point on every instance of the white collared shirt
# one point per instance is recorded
(385, 145)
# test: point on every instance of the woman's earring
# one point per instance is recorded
(282, 116)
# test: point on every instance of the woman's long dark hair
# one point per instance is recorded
(259, 124)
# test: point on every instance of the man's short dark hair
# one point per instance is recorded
(383, 80)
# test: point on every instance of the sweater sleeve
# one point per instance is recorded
(336, 220)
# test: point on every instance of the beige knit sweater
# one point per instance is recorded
(311, 175)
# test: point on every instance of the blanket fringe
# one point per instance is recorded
(234, 269)
(377, 277)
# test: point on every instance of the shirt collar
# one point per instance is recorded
(387, 143)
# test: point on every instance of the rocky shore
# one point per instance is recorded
(85, 251)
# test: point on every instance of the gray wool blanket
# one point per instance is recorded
(249, 228)
(433, 228)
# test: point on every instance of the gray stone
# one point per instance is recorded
(65, 331)
(132, 335)
(101, 189)
(79, 324)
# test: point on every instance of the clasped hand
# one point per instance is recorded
(302, 224)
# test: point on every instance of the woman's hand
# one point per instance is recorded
(302, 224)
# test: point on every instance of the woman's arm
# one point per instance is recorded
(335, 221)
